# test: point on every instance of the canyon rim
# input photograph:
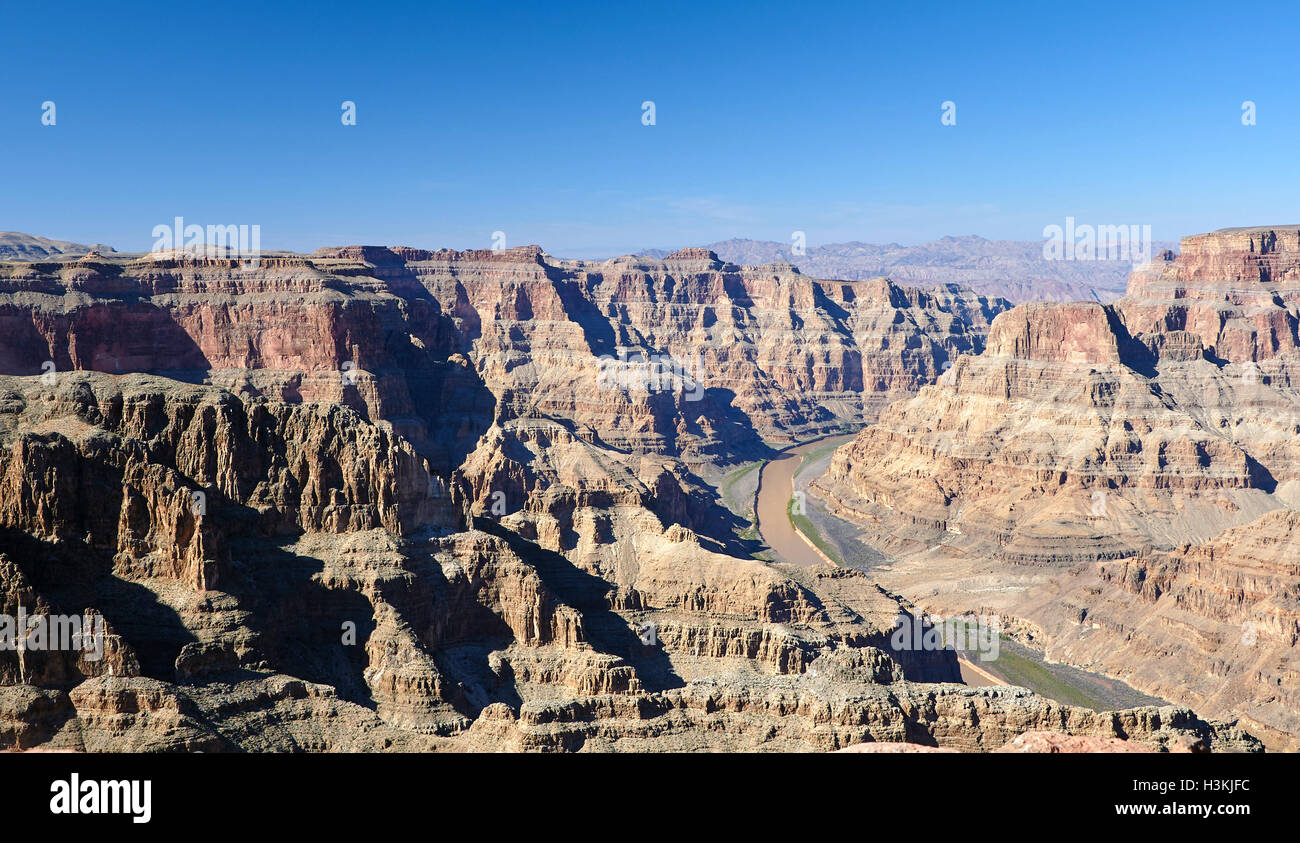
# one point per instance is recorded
(382, 498)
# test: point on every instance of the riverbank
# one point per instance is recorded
(777, 507)
(1016, 664)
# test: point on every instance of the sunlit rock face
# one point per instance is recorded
(385, 498)
(1119, 478)
(686, 356)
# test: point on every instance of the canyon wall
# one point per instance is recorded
(1118, 479)
(383, 498)
(386, 498)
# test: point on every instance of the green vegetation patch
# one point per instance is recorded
(1018, 670)
(803, 525)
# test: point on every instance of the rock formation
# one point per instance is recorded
(381, 498)
(1119, 480)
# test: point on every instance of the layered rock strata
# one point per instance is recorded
(393, 499)
(1118, 480)
(682, 356)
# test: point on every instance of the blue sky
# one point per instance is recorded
(526, 118)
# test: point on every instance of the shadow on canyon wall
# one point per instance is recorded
(606, 631)
(73, 577)
(116, 337)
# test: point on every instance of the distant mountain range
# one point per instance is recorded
(1015, 270)
(15, 246)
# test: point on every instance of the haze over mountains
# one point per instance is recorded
(1014, 270)
(16, 246)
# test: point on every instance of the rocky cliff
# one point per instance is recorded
(385, 498)
(1118, 478)
(698, 357)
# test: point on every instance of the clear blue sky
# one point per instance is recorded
(526, 118)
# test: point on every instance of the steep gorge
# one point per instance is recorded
(1118, 479)
(386, 498)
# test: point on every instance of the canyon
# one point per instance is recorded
(386, 498)
(1118, 481)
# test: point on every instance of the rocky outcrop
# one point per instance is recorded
(688, 355)
(1236, 290)
(1052, 742)
(144, 499)
(1074, 333)
(1044, 742)
(778, 715)
(387, 498)
(1118, 480)
(1227, 609)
